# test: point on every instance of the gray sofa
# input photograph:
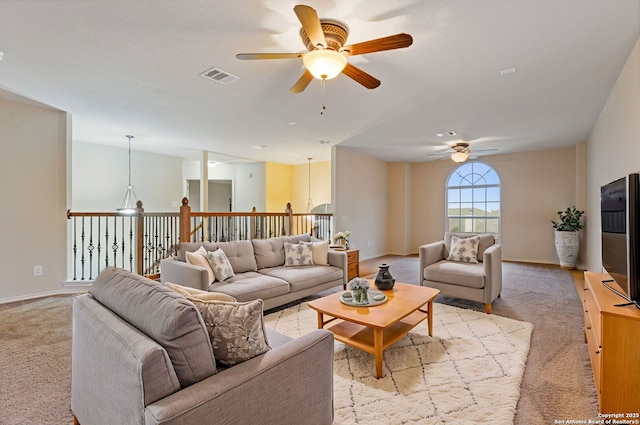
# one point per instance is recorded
(259, 270)
(141, 354)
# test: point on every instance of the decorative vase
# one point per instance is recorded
(567, 246)
(360, 296)
(384, 280)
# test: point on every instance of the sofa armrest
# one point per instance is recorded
(294, 380)
(185, 274)
(339, 259)
(492, 262)
(429, 254)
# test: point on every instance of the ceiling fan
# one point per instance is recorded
(327, 54)
(460, 152)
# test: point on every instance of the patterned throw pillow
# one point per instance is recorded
(236, 329)
(199, 258)
(465, 250)
(220, 264)
(297, 254)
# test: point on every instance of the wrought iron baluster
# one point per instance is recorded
(90, 248)
(75, 248)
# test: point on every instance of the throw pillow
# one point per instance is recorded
(236, 329)
(465, 250)
(297, 254)
(320, 252)
(187, 292)
(199, 258)
(220, 265)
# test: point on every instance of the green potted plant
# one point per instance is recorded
(566, 236)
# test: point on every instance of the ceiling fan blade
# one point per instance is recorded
(391, 42)
(302, 83)
(308, 17)
(251, 56)
(360, 76)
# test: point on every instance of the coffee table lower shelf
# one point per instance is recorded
(373, 340)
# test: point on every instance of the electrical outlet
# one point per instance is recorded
(37, 270)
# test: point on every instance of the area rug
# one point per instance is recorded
(469, 372)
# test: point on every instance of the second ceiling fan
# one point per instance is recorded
(327, 54)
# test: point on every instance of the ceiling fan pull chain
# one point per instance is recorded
(322, 88)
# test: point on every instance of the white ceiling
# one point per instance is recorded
(132, 67)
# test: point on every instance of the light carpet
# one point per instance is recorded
(469, 372)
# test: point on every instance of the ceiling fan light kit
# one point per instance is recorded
(324, 64)
(459, 156)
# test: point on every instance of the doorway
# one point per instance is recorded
(220, 195)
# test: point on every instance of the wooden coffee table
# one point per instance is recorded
(374, 329)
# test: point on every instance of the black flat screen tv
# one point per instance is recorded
(620, 220)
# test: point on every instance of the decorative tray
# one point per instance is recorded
(375, 298)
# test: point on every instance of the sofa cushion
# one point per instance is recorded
(163, 315)
(199, 258)
(250, 286)
(456, 273)
(236, 329)
(189, 292)
(320, 252)
(220, 265)
(268, 252)
(299, 254)
(184, 247)
(303, 277)
(464, 249)
(240, 255)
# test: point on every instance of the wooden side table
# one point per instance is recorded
(353, 263)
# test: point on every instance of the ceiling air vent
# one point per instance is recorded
(219, 76)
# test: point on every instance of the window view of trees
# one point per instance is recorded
(473, 199)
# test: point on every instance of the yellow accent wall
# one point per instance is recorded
(277, 186)
(320, 185)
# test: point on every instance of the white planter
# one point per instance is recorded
(567, 246)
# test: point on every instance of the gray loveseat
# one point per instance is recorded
(141, 354)
(260, 271)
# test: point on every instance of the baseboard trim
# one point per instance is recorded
(77, 289)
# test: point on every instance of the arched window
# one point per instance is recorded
(473, 199)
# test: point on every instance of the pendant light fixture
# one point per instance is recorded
(309, 201)
(130, 200)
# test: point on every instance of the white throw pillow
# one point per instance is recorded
(297, 254)
(188, 292)
(199, 258)
(220, 265)
(236, 329)
(465, 250)
(320, 252)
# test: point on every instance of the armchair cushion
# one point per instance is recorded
(464, 249)
(456, 273)
(486, 240)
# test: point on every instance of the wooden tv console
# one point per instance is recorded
(613, 337)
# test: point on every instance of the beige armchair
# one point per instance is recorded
(480, 282)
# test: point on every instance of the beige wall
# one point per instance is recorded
(613, 146)
(33, 178)
(359, 191)
(534, 186)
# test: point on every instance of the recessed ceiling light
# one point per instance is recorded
(260, 146)
(292, 123)
(1, 55)
(324, 142)
(508, 71)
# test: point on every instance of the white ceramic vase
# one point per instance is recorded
(567, 246)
